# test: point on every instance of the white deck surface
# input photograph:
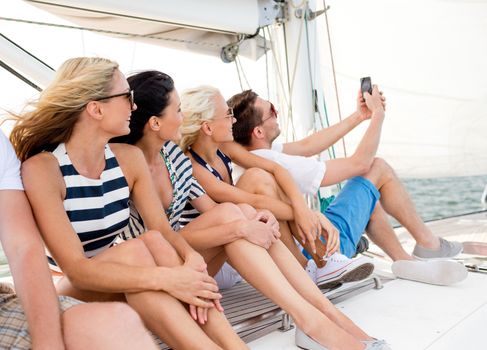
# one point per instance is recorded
(414, 316)
(418, 316)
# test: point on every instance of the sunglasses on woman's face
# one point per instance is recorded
(128, 94)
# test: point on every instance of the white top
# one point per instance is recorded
(9, 166)
(307, 172)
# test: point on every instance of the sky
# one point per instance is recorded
(427, 56)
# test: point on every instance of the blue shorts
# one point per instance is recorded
(351, 210)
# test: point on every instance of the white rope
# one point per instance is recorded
(266, 65)
(239, 77)
(239, 62)
(278, 69)
(334, 73)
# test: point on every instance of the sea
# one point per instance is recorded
(435, 198)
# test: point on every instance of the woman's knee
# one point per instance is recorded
(260, 181)
(135, 252)
(228, 212)
(248, 210)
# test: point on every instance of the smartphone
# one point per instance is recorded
(366, 85)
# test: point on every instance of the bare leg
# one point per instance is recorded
(258, 268)
(217, 326)
(221, 214)
(305, 287)
(396, 201)
(162, 314)
(288, 239)
(104, 326)
(381, 233)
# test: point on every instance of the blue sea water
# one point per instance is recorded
(434, 198)
(438, 198)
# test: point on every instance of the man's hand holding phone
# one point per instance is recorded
(372, 96)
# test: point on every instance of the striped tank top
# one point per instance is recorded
(97, 208)
(185, 188)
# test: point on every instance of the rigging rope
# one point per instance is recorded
(238, 74)
(278, 68)
(334, 72)
(243, 72)
(266, 65)
(331, 149)
(289, 91)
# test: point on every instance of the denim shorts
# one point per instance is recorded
(351, 210)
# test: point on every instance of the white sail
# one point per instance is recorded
(427, 56)
(429, 59)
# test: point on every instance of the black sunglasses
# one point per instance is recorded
(129, 95)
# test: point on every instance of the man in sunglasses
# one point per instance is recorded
(371, 192)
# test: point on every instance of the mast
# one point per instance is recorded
(299, 59)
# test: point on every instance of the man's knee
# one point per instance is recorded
(381, 165)
(118, 317)
(127, 318)
(379, 171)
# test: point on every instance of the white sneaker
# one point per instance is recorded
(439, 272)
(340, 269)
(311, 270)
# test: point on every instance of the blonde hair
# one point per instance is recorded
(51, 119)
(197, 106)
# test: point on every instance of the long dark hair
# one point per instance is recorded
(152, 91)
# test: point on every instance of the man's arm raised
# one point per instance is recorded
(360, 162)
(324, 138)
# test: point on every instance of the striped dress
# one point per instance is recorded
(97, 208)
(184, 186)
